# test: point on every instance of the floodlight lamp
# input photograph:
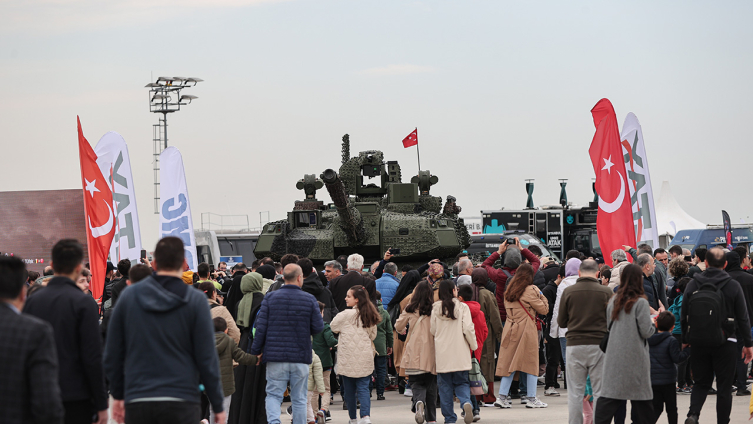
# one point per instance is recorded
(179, 79)
(165, 79)
(151, 85)
(194, 79)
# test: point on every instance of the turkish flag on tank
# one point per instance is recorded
(412, 139)
(98, 208)
(614, 222)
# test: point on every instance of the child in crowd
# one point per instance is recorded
(315, 388)
(588, 403)
(383, 346)
(228, 351)
(465, 294)
(665, 353)
(322, 343)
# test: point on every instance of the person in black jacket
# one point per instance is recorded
(233, 289)
(665, 353)
(646, 262)
(708, 361)
(746, 283)
(29, 386)
(339, 286)
(119, 284)
(313, 284)
(74, 317)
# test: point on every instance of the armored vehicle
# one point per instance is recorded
(367, 217)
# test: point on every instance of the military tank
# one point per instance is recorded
(367, 217)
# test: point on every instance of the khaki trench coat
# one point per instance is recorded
(519, 350)
(397, 344)
(418, 353)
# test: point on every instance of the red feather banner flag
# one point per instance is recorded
(98, 210)
(614, 221)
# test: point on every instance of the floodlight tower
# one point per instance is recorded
(164, 98)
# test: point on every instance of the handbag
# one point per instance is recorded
(478, 382)
(537, 320)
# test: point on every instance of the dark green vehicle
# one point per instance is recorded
(367, 217)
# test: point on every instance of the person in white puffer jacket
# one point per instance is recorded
(357, 328)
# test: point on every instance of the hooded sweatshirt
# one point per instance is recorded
(734, 301)
(312, 284)
(161, 337)
(571, 277)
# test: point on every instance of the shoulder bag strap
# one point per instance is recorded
(527, 313)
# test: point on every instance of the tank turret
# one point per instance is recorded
(372, 210)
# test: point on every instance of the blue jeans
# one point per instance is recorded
(380, 374)
(563, 348)
(279, 374)
(523, 377)
(456, 383)
(530, 379)
(353, 387)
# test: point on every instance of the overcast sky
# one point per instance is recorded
(500, 92)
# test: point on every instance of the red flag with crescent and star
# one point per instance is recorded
(412, 139)
(614, 221)
(98, 210)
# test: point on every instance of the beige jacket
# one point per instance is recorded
(218, 310)
(355, 347)
(454, 339)
(316, 375)
(614, 280)
(418, 353)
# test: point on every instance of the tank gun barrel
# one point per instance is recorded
(350, 219)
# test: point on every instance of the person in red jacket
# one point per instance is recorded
(465, 294)
(512, 255)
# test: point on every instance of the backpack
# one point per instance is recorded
(707, 316)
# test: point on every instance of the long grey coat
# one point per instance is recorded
(627, 366)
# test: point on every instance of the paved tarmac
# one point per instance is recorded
(395, 409)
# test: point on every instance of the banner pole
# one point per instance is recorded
(418, 154)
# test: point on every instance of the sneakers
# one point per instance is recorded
(327, 416)
(365, 420)
(743, 392)
(692, 419)
(523, 399)
(468, 413)
(503, 402)
(551, 392)
(320, 418)
(289, 410)
(476, 417)
(535, 403)
(419, 412)
(380, 397)
(712, 391)
(408, 393)
(352, 421)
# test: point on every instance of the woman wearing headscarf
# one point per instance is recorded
(247, 404)
(268, 273)
(489, 307)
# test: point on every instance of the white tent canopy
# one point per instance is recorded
(671, 216)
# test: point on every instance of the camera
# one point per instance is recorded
(394, 252)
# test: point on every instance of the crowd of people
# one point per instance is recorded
(166, 345)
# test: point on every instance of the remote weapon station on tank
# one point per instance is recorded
(367, 217)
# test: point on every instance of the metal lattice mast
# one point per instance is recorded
(164, 98)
